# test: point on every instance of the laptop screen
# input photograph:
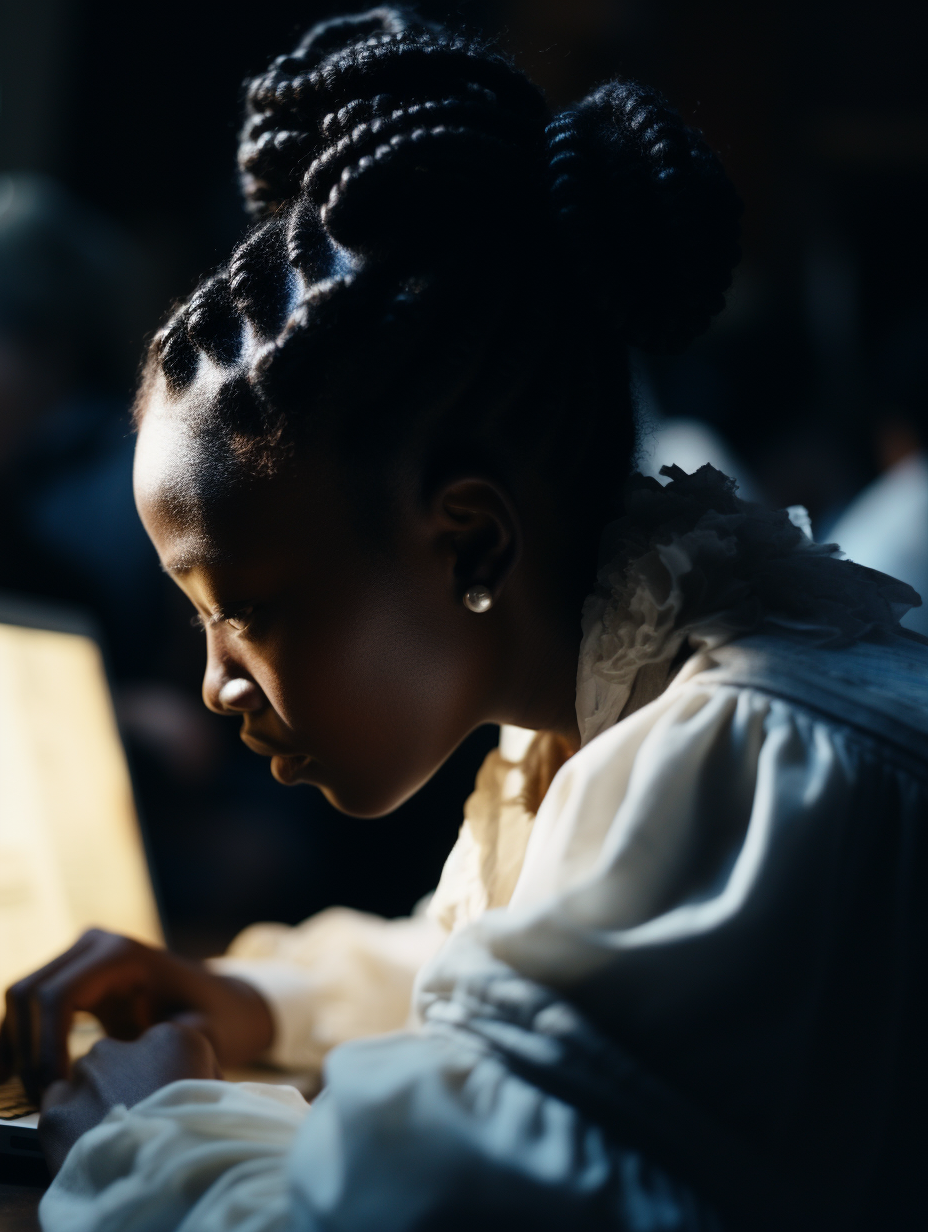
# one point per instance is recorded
(71, 854)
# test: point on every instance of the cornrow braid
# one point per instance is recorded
(212, 322)
(441, 267)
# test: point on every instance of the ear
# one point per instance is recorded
(480, 533)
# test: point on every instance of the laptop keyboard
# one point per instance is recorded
(14, 1102)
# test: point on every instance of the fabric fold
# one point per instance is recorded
(197, 1156)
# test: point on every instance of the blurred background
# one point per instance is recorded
(117, 192)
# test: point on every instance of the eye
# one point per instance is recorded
(240, 618)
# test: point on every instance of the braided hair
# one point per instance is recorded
(440, 266)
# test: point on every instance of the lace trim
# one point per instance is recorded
(691, 564)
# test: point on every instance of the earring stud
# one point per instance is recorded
(478, 599)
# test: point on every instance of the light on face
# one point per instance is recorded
(237, 694)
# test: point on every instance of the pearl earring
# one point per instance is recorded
(478, 599)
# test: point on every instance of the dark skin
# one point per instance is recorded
(350, 658)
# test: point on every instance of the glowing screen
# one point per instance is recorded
(71, 854)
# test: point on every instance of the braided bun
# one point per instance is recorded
(282, 109)
(650, 215)
(391, 130)
(401, 136)
(439, 266)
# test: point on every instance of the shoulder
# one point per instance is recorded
(877, 687)
(762, 726)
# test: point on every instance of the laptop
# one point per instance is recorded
(71, 850)
(72, 855)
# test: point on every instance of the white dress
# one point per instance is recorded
(709, 978)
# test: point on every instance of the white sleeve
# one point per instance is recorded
(411, 1132)
(196, 1156)
(427, 1131)
(437, 1129)
(340, 975)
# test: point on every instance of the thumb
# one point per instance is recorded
(203, 1024)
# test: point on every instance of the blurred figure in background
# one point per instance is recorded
(72, 311)
(73, 306)
(886, 525)
(70, 325)
(682, 440)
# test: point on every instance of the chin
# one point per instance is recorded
(356, 800)
(363, 805)
(354, 793)
(367, 798)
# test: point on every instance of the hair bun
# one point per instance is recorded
(648, 209)
(395, 134)
(281, 128)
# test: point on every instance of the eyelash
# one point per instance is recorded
(238, 619)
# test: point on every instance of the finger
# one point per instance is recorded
(42, 1006)
(17, 1023)
(98, 973)
(24, 986)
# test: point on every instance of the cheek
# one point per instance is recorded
(381, 697)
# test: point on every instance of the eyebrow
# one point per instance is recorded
(192, 560)
(215, 618)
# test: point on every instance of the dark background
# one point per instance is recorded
(820, 112)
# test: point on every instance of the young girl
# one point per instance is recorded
(386, 453)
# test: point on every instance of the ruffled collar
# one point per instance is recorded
(692, 566)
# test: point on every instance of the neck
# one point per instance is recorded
(537, 671)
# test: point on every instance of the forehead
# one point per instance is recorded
(194, 495)
(202, 504)
(182, 456)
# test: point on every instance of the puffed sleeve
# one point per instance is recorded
(199, 1156)
(340, 975)
(412, 1132)
(437, 1132)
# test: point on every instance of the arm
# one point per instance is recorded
(215, 1148)
(411, 1132)
(338, 976)
(442, 1129)
(289, 994)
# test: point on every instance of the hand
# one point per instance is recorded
(113, 1073)
(129, 987)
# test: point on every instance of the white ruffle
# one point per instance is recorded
(692, 565)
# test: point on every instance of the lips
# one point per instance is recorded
(286, 767)
(261, 746)
(265, 748)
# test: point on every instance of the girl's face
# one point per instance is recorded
(354, 668)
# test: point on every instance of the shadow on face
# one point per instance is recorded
(348, 655)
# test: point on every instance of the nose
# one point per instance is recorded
(227, 689)
(240, 694)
